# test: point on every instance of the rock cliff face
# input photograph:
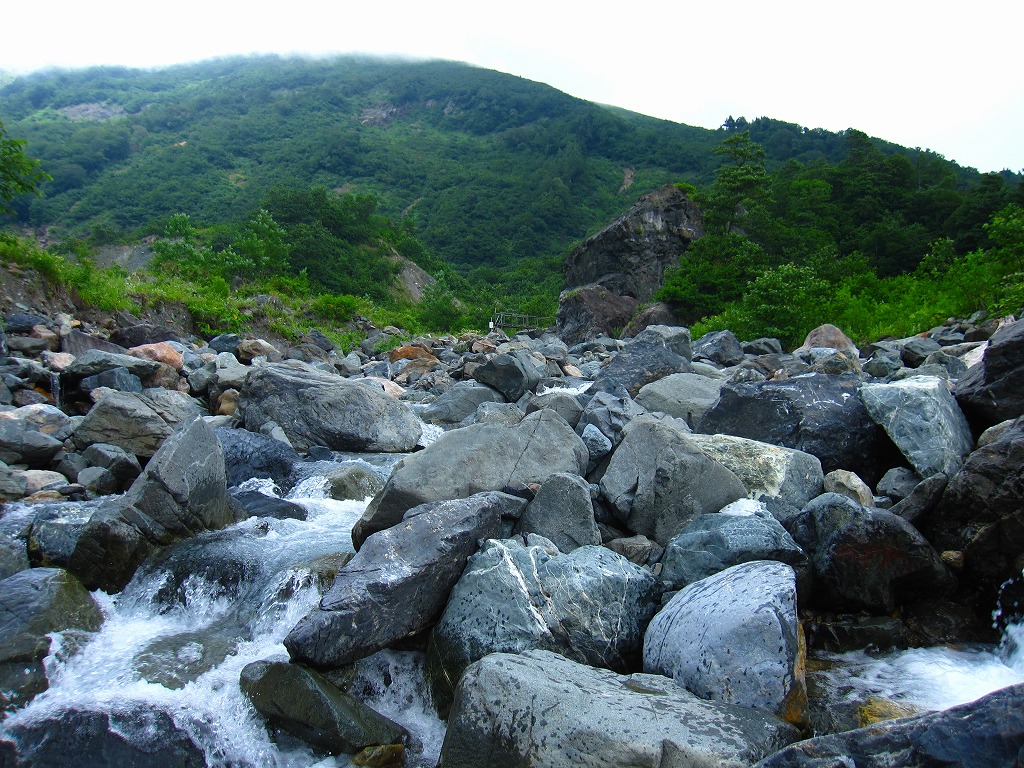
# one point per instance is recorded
(623, 264)
(629, 256)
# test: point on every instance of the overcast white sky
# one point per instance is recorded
(938, 75)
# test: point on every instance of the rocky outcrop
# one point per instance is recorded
(316, 408)
(538, 708)
(630, 255)
(591, 311)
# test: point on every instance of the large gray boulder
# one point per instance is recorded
(686, 396)
(742, 532)
(993, 390)
(867, 559)
(302, 703)
(735, 637)
(480, 457)
(182, 492)
(609, 413)
(984, 733)
(784, 479)
(316, 408)
(459, 403)
(658, 480)
(398, 582)
(981, 513)
(924, 421)
(249, 454)
(820, 414)
(538, 708)
(656, 352)
(33, 604)
(719, 347)
(591, 605)
(514, 374)
(137, 422)
(97, 361)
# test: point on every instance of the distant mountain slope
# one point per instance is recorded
(488, 168)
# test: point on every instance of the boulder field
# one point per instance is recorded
(621, 552)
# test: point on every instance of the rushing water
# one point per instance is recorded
(176, 639)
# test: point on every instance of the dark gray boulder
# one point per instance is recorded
(591, 311)
(182, 492)
(316, 408)
(609, 413)
(538, 708)
(564, 404)
(13, 557)
(119, 378)
(562, 511)
(34, 603)
(459, 403)
(512, 374)
(302, 703)
(867, 559)
(819, 414)
(984, 733)
(125, 737)
(981, 513)
(256, 504)
(919, 503)
(481, 457)
(686, 396)
(590, 605)
(22, 443)
(136, 422)
(658, 480)
(248, 455)
(720, 347)
(655, 353)
(993, 390)
(96, 361)
(735, 637)
(143, 333)
(398, 582)
(742, 532)
(121, 464)
(922, 418)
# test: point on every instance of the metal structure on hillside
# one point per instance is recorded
(519, 320)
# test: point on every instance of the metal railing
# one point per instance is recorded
(519, 320)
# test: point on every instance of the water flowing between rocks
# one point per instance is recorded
(176, 639)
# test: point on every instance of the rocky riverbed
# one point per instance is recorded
(652, 551)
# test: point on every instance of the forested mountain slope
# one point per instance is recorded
(489, 168)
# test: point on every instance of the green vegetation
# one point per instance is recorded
(872, 243)
(18, 174)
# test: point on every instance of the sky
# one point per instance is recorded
(939, 75)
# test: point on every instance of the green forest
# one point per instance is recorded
(307, 178)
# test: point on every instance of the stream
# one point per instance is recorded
(176, 639)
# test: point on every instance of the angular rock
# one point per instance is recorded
(734, 637)
(317, 408)
(538, 708)
(563, 512)
(784, 479)
(13, 558)
(658, 480)
(249, 454)
(398, 582)
(301, 702)
(986, 732)
(98, 480)
(922, 500)
(848, 484)
(506, 414)
(22, 443)
(981, 513)
(119, 378)
(657, 352)
(915, 350)
(459, 403)
(562, 403)
(721, 347)
(609, 413)
(144, 334)
(96, 361)
(742, 532)
(867, 559)
(923, 420)
(819, 414)
(501, 457)
(591, 606)
(686, 396)
(993, 390)
(136, 422)
(513, 374)
(121, 464)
